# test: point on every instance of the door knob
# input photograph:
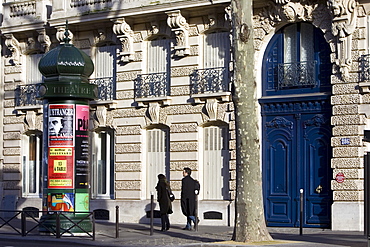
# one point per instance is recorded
(318, 189)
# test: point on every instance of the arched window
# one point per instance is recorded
(297, 61)
(103, 164)
(158, 157)
(215, 163)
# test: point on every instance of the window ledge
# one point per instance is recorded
(110, 104)
(364, 86)
(221, 96)
(164, 101)
(24, 109)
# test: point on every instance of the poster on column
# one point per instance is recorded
(82, 146)
(61, 125)
(61, 202)
(61, 146)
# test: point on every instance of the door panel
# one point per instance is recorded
(317, 153)
(278, 177)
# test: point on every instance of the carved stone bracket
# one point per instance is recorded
(103, 36)
(44, 40)
(14, 47)
(126, 36)
(60, 35)
(101, 109)
(344, 13)
(31, 113)
(180, 27)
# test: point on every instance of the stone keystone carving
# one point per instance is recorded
(31, 120)
(126, 36)
(101, 115)
(211, 108)
(153, 112)
(14, 47)
(344, 13)
(180, 27)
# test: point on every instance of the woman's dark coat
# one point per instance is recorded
(188, 188)
(163, 197)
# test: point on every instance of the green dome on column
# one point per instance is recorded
(66, 70)
(65, 63)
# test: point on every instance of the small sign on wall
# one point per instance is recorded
(345, 141)
(340, 177)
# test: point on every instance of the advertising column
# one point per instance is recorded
(67, 91)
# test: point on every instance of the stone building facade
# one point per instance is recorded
(164, 72)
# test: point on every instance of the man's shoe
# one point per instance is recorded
(186, 228)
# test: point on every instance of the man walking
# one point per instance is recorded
(189, 190)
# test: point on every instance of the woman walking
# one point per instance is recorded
(163, 196)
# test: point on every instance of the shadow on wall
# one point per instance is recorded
(146, 218)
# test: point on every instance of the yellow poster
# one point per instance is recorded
(60, 151)
(60, 166)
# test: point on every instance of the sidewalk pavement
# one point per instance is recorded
(216, 236)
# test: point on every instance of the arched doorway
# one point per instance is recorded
(296, 130)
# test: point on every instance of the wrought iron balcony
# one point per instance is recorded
(364, 67)
(152, 85)
(297, 75)
(106, 88)
(25, 95)
(212, 80)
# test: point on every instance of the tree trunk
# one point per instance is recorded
(250, 223)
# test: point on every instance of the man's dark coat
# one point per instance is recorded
(188, 188)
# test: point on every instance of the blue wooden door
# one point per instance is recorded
(296, 113)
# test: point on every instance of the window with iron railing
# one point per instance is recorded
(156, 82)
(298, 74)
(152, 85)
(214, 77)
(25, 95)
(364, 67)
(106, 88)
(210, 80)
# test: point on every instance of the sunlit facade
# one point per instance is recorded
(164, 73)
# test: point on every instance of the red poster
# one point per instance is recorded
(61, 168)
